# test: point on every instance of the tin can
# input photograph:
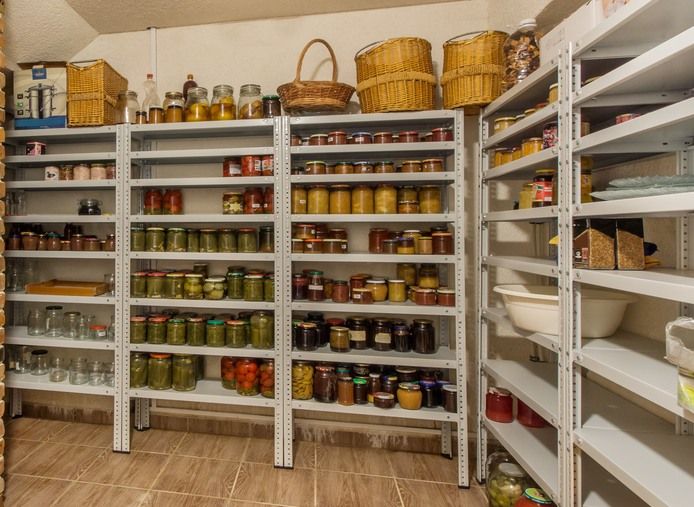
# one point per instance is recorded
(35, 148)
(51, 173)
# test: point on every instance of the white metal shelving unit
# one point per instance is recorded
(451, 354)
(599, 448)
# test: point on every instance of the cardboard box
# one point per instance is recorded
(572, 28)
(40, 94)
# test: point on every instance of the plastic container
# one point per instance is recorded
(522, 51)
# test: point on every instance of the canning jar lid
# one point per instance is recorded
(194, 319)
(409, 386)
(148, 228)
(363, 162)
(384, 396)
(445, 291)
(193, 275)
(175, 275)
(339, 329)
(396, 281)
(375, 280)
(159, 356)
(215, 279)
(405, 370)
(157, 274)
(450, 388)
(433, 160)
(158, 320)
(138, 318)
(315, 162)
(318, 135)
(360, 381)
(215, 322)
(504, 118)
(235, 322)
(499, 391)
(175, 321)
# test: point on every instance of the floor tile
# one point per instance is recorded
(17, 428)
(155, 440)
(241, 503)
(353, 459)
(96, 494)
(136, 470)
(162, 499)
(262, 450)
(424, 467)
(418, 493)
(213, 446)
(26, 491)
(17, 450)
(197, 476)
(44, 429)
(265, 483)
(91, 435)
(58, 461)
(339, 489)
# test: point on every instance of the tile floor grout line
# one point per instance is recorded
(315, 474)
(238, 470)
(31, 453)
(161, 471)
(397, 488)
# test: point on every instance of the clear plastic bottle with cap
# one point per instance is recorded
(522, 51)
(151, 96)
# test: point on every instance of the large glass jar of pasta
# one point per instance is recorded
(362, 200)
(138, 370)
(299, 198)
(173, 107)
(159, 372)
(262, 330)
(195, 331)
(247, 377)
(197, 106)
(267, 378)
(183, 374)
(340, 200)
(250, 102)
(228, 372)
(385, 199)
(223, 104)
(318, 200)
(253, 289)
(192, 286)
(430, 199)
(247, 240)
(302, 380)
(235, 283)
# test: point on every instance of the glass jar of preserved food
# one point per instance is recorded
(401, 338)
(250, 103)
(339, 339)
(305, 231)
(383, 137)
(235, 284)
(155, 284)
(373, 386)
(299, 200)
(109, 245)
(382, 332)
(325, 384)
(138, 284)
(384, 166)
(397, 292)
(247, 377)
(432, 165)
(343, 167)
(226, 241)
(424, 336)
(340, 200)
(442, 243)
(156, 330)
(407, 272)
(411, 166)
(316, 290)
(409, 396)
(414, 235)
(154, 239)
(192, 240)
(362, 200)
(407, 193)
(232, 203)
(192, 286)
(228, 372)
(363, 168)
(267, 378)
(223, 104)
(531, 145)
(262, 330)
(345, 390)
(159, 372)
(153, 202)
(271, 106)
(208, 241)
(429, 199)
(253, 287)
(247, 240)
(340, 292)
(378, 289)
(197, 106)
(299, 287)
(306, 336)
(405, 246)
(542, 188)
(360, 391)
(522, 52)
(173, 107)
(376, 237)
(362, 138)
(385, 199)
(138, 370)
(506, 483)
(358, 333)
(236, 333)
(302, 380)
(428, 276)
(215, 335)
(195, 331)
(315, 167)
(269, 200)
(231, 167)
(269, 288)
(183, 373)
(138, 329)
(253, 201)
(174, 286)
(127, 107)
(425, 297)
(318, 200)
(214, 287)
(408, 207)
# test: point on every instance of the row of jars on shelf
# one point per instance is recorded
(249, 328)
(77, 371)
(361, 333)
(499, 408)
(430, 165)
(542, 191)
(238, 284)
(363, 199)
(54, 242)
(79, 172)
(358, 384)
(248, 165)
(53, 322)
(439, 134)
(226, 240)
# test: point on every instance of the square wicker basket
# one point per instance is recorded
(92, 93)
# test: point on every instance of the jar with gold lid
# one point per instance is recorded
(197, 106)
(223, 104)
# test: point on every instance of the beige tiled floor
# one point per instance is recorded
(51, 463)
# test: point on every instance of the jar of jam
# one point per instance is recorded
(407, 272)
(345, 390)
(382, 333)
(441, 134)
(442, 243)
(228, 373)
(432, 165)
(325, 384)
(411, 166)
(445, 297)
(402, 339)
(376, 236)
(428, 276)
(542, 188)
(315, 286)
(360, 391)
(373, 386)
(362, 200)
(424, 297)
(337, 137)
(339, 339)
(409, 396)
(409, 136)
(528, 417)
(271, 106)
(358, 333)
(340, 291)
(253, 201)
(378, 288)
(424, 336)
(153, 202)
(362, 296)
(450, 398)
(307, 336)
(247, 377)
(299, 287)
(315, 167)
(383, 138)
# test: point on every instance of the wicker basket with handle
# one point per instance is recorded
(299, 96)
(396, 75)
(92, 93)
(473, 70)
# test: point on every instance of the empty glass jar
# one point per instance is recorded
(39, 362)
(71, 321)
(96, 373)
(36, 322)
(54, 321)
(58, 370)
(78, 371)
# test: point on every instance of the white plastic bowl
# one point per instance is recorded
(535, 308)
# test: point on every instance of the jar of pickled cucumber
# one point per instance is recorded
(156, 330)
(235, 284)
(362, 200)
(183, 374)
(138, 284)
(174, 286)
(159, 372)
(195, 331)
(138, 329)
(267, 378)
(269, 288)
(155, 284)
(208, 241)
(138, 370)
(262, 330)
(176, 332)
(154, 239)
(385, 199)
(266, 236)
(247, 377)
(247, 240)
(197, 106)
(236, 333)
(226, 241)
(250, 102)
(193, 240)
(176, 239)
(137, 238)
(302, 380)
(253, 289)
(223, 104)
(299, 200)
(214, 333)
(192, 286)
(228, 372)
(214, 288)
(429, 199)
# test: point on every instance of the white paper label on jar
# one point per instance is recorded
(52, 173)
(315, 287)
(234, 169)
(256, 205)
(258, 164)
(357, 336)
(382, 338)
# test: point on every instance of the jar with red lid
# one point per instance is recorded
(528, 417)
(376, 237)
(251, 165)
(247, 377)
(533, 497)
(299, 287)
(362, 138)
(253, 201)
(172, 202)
(228, 372)
(231, 167)
(269, 200)
(542, 188)
(499, 405)
(316, 291)
(337, 137)
(408, 136)
(267, 165)
(445, 297)
(325, 384)
(153, 202)
(383, 138)
(340, 291)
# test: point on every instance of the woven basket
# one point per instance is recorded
(92, 93)
(473, 70)
(396, 75)
(299, 96)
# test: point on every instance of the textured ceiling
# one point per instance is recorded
(108, 16)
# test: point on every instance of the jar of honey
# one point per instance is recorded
(318, 200)
(299, 200)
(385, 199)
(340, 200)
(362, 200)
(173, 107)
(429, 199)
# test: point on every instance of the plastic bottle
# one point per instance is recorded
(190, 83)
(151, 96)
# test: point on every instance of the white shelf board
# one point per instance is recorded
(519, 129)
(527, 93)
(61, 185)
(203, 129)
(400, 178)
(64, 135)
(524, 166)
(373, 258)
(195, 156)
(671, 284)
(247, 351)
(232, 304)
(55, 219)
(28, 381)
(544, 214)
(443, 358)
(399, 150)
(44, 160)
(376, 308)
(211, 182)
(194, 256)
(376, 218)
(544, 267)
(533, 383)
(202, 218)
(535, 449)
(441, 117)
(500, 317)
(423, 414)
(42, 298)
(60, 254)
(668, 205)
(600, 489)
(638, 365)
(19, 336)
(206, 391)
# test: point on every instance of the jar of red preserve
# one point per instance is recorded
(499, 405)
